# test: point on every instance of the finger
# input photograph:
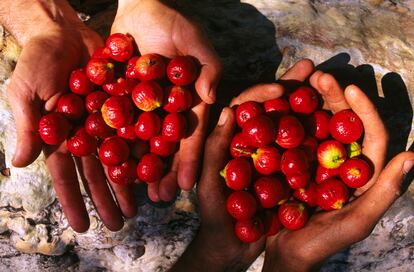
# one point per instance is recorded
(192, 146)
(168, 185)
(331, 92)
(300, 71)
(259, 93)
(126, 200)
(94, 180)
(153, 192)
(374, 145)
(65, 181)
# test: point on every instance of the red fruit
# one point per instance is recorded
(294, 162)
(148, 125)
(276, 107)
(139, 148)
(150, 168)
(266, 160)
(120, 46)
(290, 132)
(304, 100)
(293, 215)
(96, 126)
(332, 194)
(101, 53)
(53, 128)
(298, 181)
(346, 127)
(182, 70)
(162, 147)
(147, 95)
(81, 143)
(146, 67)
(317, 124)
(174, 127)
(117, 111)
(79, 82)
(177, 99)
(355, 172)
(71, 106)
(123, 174)
(239, 147)
(100, 71)
(310, 146)
(95, 100)
(237, 174)
(246, 111)
(331, 154)
(120, 87)
(113, 151)
(271, 191)
(307, 195)
(323, 174)
(241, 205)
(272, 223)
(249, 231)
(127, 133)
(259, 131)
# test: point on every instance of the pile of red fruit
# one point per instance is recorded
(123, 106)
(289, 158)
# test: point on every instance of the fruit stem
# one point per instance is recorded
(223, 173)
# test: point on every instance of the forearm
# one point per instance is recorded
(28, 18)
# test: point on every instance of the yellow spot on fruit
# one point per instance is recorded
(338, 205)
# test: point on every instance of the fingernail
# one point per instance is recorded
(407, 166)
(352, 92)
(223, 117)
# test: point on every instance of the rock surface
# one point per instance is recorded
(369, 43)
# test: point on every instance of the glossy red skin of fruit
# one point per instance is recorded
(249, 231)
(177, 99)
(100, 71)
(96, 126)
(246, 111)
(298, 181)
(95, 100)
(174, 127)
(331, 154)
(259, 131)
(113, 151)
(79, 82)
(53, 128)
(118, 111)
(139, 148)
(71, 106)
(123, 174)
(294, 162)
(127, 133)
(150, 168)
(355, 172)
(237, 173)
(81, 143)
(147, 95)
(146, 67)
(148, 125)
(323, 174)
(101, 53)
(120, 87)
(271, 223)
(310, 146)
(290, 132)
(307, 195)
(241, 205)
(331, 194)
(346, 127)
(182, 70)
(239, 147)
(317, 124)
(266, 160)
(276, 107)
(293, 215)
(304, 100)
(120, 46)
(162, 147)
(270, 191)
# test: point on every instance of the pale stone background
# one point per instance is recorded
(369, 43)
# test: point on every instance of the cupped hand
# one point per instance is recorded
(158, 28)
